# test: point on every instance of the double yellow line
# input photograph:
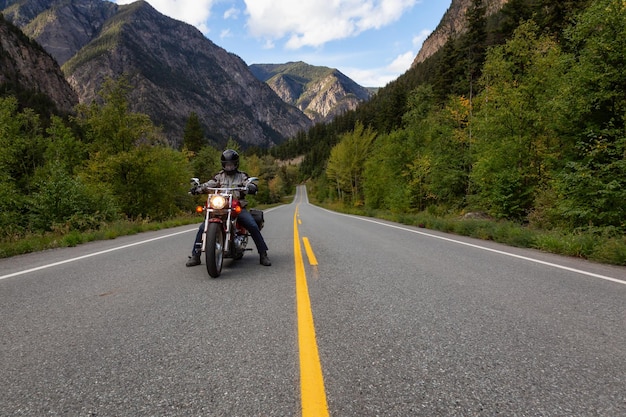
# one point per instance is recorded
(312, 392)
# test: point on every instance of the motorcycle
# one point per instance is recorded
(223, 236)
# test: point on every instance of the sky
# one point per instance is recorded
(371, 41)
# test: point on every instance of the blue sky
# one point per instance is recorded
(371, 41)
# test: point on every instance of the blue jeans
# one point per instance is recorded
(247, 221)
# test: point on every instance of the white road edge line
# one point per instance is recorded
(566, 268)
(26, 271)
(89, 255)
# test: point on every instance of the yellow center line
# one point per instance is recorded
(309, 251)
(312, 392)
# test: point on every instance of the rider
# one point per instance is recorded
(230, 176)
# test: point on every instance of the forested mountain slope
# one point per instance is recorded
(522, 117)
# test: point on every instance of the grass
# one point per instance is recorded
(51, 240)
(64, 238)
(602, 246)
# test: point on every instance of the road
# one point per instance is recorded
(355, 317)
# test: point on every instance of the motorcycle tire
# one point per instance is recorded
(214, 249)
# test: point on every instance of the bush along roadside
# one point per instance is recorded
(598, 245)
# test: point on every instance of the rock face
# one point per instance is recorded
(174, 69)
(320, 92)
(62, 27)
(452, 24)
(24, 65)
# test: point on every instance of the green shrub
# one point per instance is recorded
(612, 251)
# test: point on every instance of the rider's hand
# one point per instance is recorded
(251, 188)
(195, 191)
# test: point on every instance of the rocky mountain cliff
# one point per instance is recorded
(62, 27)
(320, 92)
(27, 69)
(173, 68)
(451, 25)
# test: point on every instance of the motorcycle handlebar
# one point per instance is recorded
(216, 189)
(195, 184)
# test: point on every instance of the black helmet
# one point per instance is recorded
(231, 156)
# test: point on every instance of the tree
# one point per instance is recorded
(347, 162)
(193, 134)
(13, 206)
(591, 187)
(110, 127)
(206, 163)
(63, 147)
(21, 142)
(129, 156)
(449, 150)
(64, 202)
(472, 48)
(147, 181)
(515, 148)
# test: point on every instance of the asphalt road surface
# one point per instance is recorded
(355, 317)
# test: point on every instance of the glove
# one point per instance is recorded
(195, 191)
(252, 188)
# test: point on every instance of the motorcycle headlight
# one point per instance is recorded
(218, 202)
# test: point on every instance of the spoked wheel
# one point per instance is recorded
(214, 249)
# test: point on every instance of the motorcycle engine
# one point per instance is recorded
(240, 242)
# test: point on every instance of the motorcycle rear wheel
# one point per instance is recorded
(214, 249)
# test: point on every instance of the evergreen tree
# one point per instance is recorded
(193, 135)
(472, 48)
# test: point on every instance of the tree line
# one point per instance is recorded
(522, 118)
(105, 163)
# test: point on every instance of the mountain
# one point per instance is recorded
(452, 24)
(28, 72)
(173, 68)
(320, 92)
(62, 27)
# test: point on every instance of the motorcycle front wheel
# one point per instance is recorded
(214, 249)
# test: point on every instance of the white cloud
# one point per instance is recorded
(316, 22)
(269, 44)
(226, 33)
(232, 13)
(298, 23)
(376, 77)
(402, 62)
(381, 76)
(194, 12)
(420, 38)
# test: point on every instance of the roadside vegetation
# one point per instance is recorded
(104, 172)
(594, 245)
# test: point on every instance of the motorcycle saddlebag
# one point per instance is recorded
(258, 217)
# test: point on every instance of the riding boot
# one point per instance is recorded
(194, 260)
(264, 260)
